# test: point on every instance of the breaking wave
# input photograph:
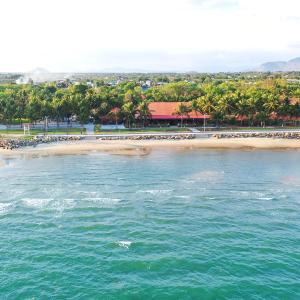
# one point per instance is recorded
(125, 244)
(155, 192)
(36, 202)
(5, 207)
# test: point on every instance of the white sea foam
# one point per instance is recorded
(102, 200)
(37, 203)
(265, 198)
(155, 192)
(5, 207)
(125, 244)
(183, 197)
(62, 204)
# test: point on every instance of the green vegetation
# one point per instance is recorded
(50, 131)
(244, 99)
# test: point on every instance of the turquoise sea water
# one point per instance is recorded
(171, 225)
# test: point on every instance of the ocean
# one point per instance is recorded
(193, 224)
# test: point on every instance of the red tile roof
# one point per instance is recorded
(115, 110)
(167, 111)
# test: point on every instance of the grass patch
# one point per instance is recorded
(40, 131)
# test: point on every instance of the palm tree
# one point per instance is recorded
(242, 109)
(115, 114)
(205, 106)
(223, 107)
(195, 107)
(284, 109)
(251, 108)
(144, 111)
(21, 100)
(182, 110)
(272, 103)
(129, 110)
(295, 111)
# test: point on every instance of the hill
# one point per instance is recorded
(284, 66)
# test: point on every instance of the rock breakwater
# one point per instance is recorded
(16, 143)
(148, 137)
(273, 135)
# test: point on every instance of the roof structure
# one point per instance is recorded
(167, 111)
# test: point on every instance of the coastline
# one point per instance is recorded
(144, 147)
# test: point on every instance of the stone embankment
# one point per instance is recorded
(148, 137)
(19, 143)
(273, 135)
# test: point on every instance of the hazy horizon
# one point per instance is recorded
(142, 36)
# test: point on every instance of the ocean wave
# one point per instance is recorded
(124, 244)
(249, 193)
(61, 205)
(155, 192)
(37, 202)
(183, 197)
(5, 207)
(102, 200)
(265, 198)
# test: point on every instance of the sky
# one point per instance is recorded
(147, 35)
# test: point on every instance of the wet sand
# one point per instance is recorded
(144, 147)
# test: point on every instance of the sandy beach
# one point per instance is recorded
(144, 147)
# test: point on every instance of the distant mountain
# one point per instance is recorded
(285, 66)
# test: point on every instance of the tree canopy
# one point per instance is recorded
(257, 101)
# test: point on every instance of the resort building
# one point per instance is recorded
(167, 113)
(160, 114)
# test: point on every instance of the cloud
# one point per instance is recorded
(84, 35)
(221, 4)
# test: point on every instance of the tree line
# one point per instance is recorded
(225, 101)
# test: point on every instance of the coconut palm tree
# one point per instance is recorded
(129, 110)
(251, 109)
(242, 108)
(205, 106)
(182, 110)
(144, 112)
(115, 114)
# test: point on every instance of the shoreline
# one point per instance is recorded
(144, 147)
